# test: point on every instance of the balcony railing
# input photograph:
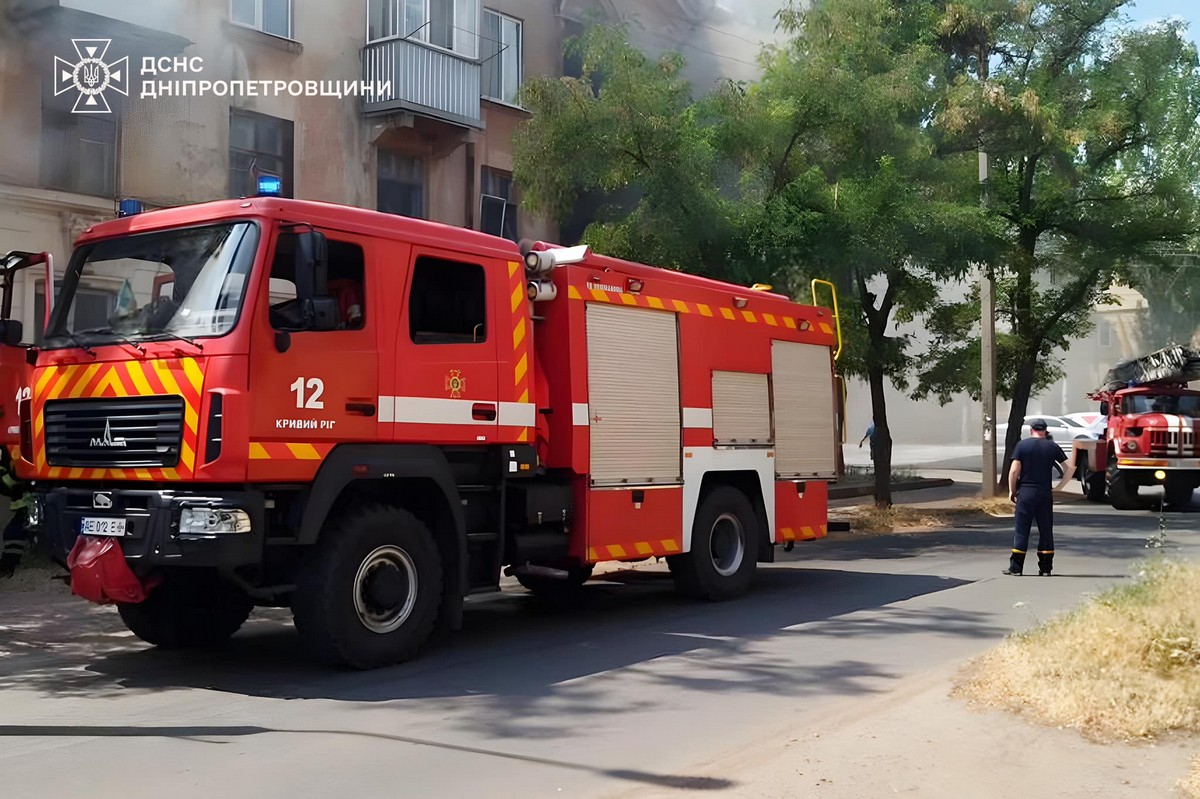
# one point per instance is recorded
(424, 79)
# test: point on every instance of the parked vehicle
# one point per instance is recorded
(427, 408)
(1062, 429)
(1150, 438)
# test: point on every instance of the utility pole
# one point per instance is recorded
(987, 319)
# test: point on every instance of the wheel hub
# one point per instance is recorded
(385, 589)
(727, 544)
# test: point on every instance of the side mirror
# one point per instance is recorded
(312, 281)
(11, 332)
(1104, 408)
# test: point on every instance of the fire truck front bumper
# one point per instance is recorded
(1167, 464)
(223, 529)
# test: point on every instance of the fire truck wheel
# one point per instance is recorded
(1093, 483)
(193, 608)
(1178, 494)
(1122, 495)
(369, 592)
(724, 550)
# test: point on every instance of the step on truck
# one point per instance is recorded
(366, 418)
(1153, 424)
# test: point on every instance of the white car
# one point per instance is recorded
(1085, 419)
(1062, 429)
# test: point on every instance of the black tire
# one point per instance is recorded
(1094, 487)
(1121, 494)
(553, 589)
(724, 552)
(1178, 495)
(191, 609)
(368, 594)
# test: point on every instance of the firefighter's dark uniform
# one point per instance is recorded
(16, 533)
(1035, 502)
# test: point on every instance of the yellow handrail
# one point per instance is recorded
(837, 319)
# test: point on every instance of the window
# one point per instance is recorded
(268, 16)
(1104, 332)
(91, 309)
(346, 279)
(257, 144)
(447, 303)
(401, 184)
(497, 204)
(79, 152)
(452, 24)
(501, 70)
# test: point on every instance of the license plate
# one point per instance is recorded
(94, 526)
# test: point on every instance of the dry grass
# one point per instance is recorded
(1125, 665)
(1189, 786)
(993, 506)
(870, 519)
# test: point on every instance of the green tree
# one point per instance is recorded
(841, 177)
(1083, 120)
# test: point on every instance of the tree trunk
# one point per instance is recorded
(1022, 388)
(883, 438)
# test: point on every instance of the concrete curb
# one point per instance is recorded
(845, 492)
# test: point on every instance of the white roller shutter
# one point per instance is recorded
(741, 408)
(633, 395)
(802, 399)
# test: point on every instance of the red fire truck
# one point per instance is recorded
(1151, 432)
(367, 417)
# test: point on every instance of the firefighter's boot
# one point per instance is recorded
(1016, 562)
(1045, 563)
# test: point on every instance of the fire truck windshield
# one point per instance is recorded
(181, 283)
(1175, 404)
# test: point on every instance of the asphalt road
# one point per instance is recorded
(635, 692)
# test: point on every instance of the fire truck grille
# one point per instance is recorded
(1172, 442)
(117, 433)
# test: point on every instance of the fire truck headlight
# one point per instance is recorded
(1160, 475)
(213, 521)
(1131, 446)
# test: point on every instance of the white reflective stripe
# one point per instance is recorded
(518, 414)
(697, 417)
(434, 410)
(580, 415)
(387, 409)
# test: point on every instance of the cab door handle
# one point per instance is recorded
(360, 408)
(483, 411)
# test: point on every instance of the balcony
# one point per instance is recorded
(425, 79)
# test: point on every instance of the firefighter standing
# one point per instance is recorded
(16, 534)
(1030, 487)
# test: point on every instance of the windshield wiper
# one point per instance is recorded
(97, 331)
(78, 342)
(166, 336)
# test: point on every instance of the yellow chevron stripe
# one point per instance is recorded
(704, 310)
(655, 302)
(138, 376)
(258, 452)
(728, 314)
(789, 322)
(194, 375)
(521, 368)
(825, 328)
(573, 293)
(616, 550)
(513, 266)
(643, 548)
(518, 294)
(47, 375)
(681, 306)
(749, 316)
(770, 320)
(629, 299)
(670, 545)
(518, 333)
(304, 452)
(67, 375)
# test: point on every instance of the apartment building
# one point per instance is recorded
(436, 144)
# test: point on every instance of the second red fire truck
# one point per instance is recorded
(366, 418)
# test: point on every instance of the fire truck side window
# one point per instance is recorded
(447, 303)
(346, 284)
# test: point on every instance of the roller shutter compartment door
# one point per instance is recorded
(633, 396)
(803, 404)
(741, 408)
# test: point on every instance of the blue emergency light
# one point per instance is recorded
(129, 208)
(270, 186)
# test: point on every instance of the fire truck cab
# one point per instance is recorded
(367, 417)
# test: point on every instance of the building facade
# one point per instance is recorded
(178, 121)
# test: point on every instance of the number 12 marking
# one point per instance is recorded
(317, 386)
